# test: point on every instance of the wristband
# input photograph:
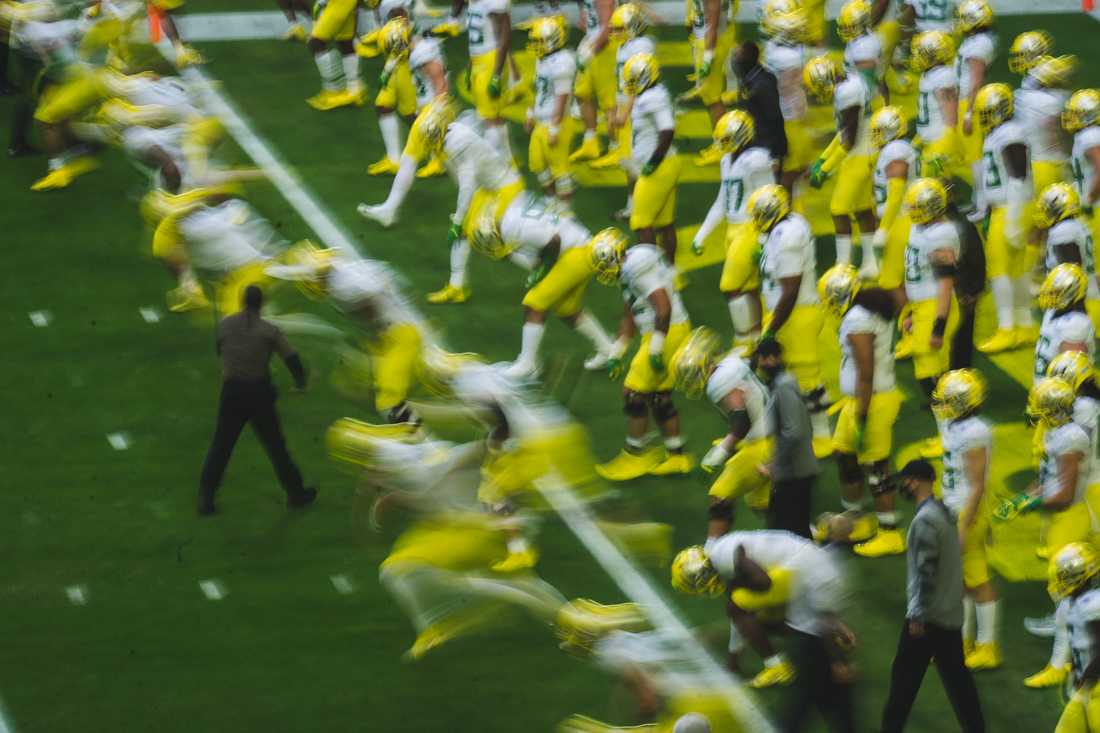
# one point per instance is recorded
(656, 343)
(939, 327)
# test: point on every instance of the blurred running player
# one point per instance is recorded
(1068, 239)
(596, 78)
(932, 57)
(1038, 104)
(489, 32)
(549, 119)
(784, 56)
(976, 52)
(895, 168)
(331, 45)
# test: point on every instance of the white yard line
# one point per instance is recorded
(5, 722)
(572, 510)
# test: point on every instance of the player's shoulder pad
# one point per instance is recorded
(942, 77)
(640, 259)
(898, 150)
(426, 50)
(973, 432)
(859, 320)
(727, 376)
(1087, 606)
(1089, 137)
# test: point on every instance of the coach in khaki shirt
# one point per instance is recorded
(245, 344)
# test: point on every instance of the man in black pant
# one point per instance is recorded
(969, 285)
(245, 344)
(933, 623)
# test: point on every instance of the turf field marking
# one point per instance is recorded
(118, 441)
(77, 594)
(5, 722)
(212, 589)
(149, 314)
(342, 584)
(40, 319)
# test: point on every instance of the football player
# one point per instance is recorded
(1039, 102)
(863, 47)
(1081, 118)
(745, 168)
(1026, 49)
(895, 168)
(730, 383)
(596, 80)
(1005, 189)
(849, 154)
(1068, 239)
(557, 252)
(919, 16)
(967, 455)
(1066, 325)
(976, 52)
(1072, 585)
(864, 432)
(549, 121)
(932, 57)
(792, 314)
(652, 306)
(653, 154)
(784, 56)
(331, 45)
(489, 32)
(712, 37)
(396, 94)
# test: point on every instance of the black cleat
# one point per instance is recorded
(303, 499)
(206, 506)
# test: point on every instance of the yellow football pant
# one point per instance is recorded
(712, 86)
(878, 432)
(641, 377)
(394, 356)
(971, 144)
(1071, 524)
(562, 290)
(1001, 258)
(1045, 172)
(853, 192)
(72, 97)
(459, 542)
(975, 562)
(481, 72)
(928, 362)
(800, 150)
(229, 291)
(544, 156)
(399, 92)
(655, 196)
(892, 272)
(739, 476)
(336, 22)
(597, 80)
(740, 271)
(1082, 712)
(799, 339)
(416, 146)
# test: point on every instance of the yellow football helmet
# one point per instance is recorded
(436, 117)
(1054, 72)
(1064, 286)
(1050, 402)
(1058, 201)
(768, 205)
(837, 287)
(973, 15)
(931, 48)
(887, 125)
(1028, 48)
(694, 361)
(1071, 569)
(547, 35)
(854, 20)
(820, 76)
(734, 131)
(1072, 366)
(693, 573)
(485, 237)
(791, 26)
(926, 200)
(607, 250)
(640, 72)
(395, 36)
(958, 393)
(1082, 110)
(993, 105)
(308, 265)
(627, 22)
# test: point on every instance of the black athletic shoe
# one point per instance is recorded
(206, 506)
(302, 500)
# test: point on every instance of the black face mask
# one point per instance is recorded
(742, 68)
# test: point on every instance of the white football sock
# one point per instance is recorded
(1004, 299)
(867, 244)
(402, 182)
(328, 66)
(391, 134)
(844, 249)
(589, 135)
(590, 328)
(529, 344)
(968, 618)
(1021, 291)
(887, 520)
(460, 253)
(987, 622)
(351, 73)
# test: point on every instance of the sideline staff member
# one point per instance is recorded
(245, 344)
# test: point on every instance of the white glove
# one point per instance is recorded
(715, 458)
(879, 241)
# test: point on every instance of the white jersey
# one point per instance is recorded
(959, 438)
(789, 252)
(1057, 442)
(979, 47)
(553, 77)
(1086, 413)
(817, 587)
(369, 286)
(1074, 233)
(854, 92)
(859, 320)
(473, 161)
(994, 172)
(529, 224)
(1071, 327)
(223, 238)
(924, 239)
(930, 122)
(1040, 112)
(1084, 173)
(892, 152)
(652, 113)
(479, 26)
(1076, 614)
(424, 52)
(861, 50)
(645, 272)
(633, 47)
(933, 15)
(732, 373)
(741, 176)
(140, 141)
(786, 62)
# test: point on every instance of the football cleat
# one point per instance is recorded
(984, 656)
(434, 167)
(627, 466)
(516, 561)
(449, 294)
(885, 542)
(384, 167)
(356, 98)
(1048, 676)
(609, 160)
(1002, 340)
(66, 174)
(780, 674)
(295, 33)
(328, 99)
(589, 150)
(186, 298)
(380, 213)
(1026, 335)
(674, 465)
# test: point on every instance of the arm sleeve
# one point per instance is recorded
(714, 216)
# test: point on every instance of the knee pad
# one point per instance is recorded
(849, 468)
(663, 407)
(816, 399)
(634, 404)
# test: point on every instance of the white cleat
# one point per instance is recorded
(384, 216)
(869, 270)
(596, 362)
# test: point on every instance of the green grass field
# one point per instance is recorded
(283, 650)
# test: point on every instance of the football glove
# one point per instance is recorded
(454, 234)
(704, 68)
(648, 168)
(614, 367)
(494, 86)
(657, 363)
(536, 276)
(817, 175)
(715, 458)
(1017, 505)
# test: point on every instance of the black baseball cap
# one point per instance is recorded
(918, 469)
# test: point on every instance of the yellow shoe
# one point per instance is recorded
(295, 33)
(55, 179)
(80, 165)
(609, 160)
(327, 99)
(183, 299)
(357, 98)
(1048, 676)
(1002, 340)
(984, 656)
(449, 294)
(1027, 335)
(823, 446)
(780, 674)
(516, 561)
(589, 150)
(432, 168)
(932, 448)
(968, 647)
(709, 155)
(384, 167)
(904, 348)
(674, 464)
(885, 542)
(627, 466)
(864, 527)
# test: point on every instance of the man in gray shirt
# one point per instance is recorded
(933, 619)
(793, 468)
(245, 344)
